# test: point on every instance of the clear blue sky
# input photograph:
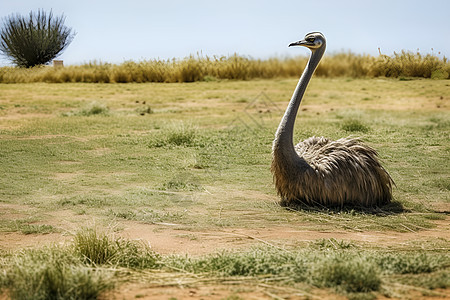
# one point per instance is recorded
(114, 31)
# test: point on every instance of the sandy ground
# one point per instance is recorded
(168, 238)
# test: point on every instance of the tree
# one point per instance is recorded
(36, 40)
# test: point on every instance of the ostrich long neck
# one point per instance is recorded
(284, 135)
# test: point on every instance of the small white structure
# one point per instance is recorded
(58, 63)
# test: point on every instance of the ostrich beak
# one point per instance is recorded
(299, 43)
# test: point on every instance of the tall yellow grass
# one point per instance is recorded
(198, 68)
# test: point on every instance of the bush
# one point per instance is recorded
(36, 40)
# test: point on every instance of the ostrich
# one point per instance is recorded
(320, 171)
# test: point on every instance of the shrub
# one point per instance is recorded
(36, 40)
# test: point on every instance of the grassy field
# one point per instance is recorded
(185, 167)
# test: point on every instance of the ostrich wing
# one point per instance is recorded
(345, 170)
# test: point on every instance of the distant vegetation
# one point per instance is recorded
(346, 64)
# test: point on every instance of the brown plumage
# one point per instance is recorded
(319, 170)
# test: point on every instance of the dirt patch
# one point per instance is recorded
(45, 137)
(142, 291)
(442, 207)
(99, 151)
(68, 162)
(67, 176)
(9, 211)
(65, 222)
(167, 239)
(18, 115)
(16, 240)
(234, 288)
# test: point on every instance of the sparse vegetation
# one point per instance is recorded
(91, 265)
(93, 108)
(25, 226)
(37, 228)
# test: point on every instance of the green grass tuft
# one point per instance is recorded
(37, 229)
(416, 263)
(181, 184)
(101, 249)
(181, 135)
(53, 274)
(149, 216)
(354, 126)
(353, 274)
(91, 109)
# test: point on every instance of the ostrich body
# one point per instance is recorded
(319, 170)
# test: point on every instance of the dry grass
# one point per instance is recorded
(190, 69)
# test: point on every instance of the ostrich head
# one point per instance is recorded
(313, 41)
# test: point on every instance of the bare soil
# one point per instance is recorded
(216, 292)
(168, 238)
